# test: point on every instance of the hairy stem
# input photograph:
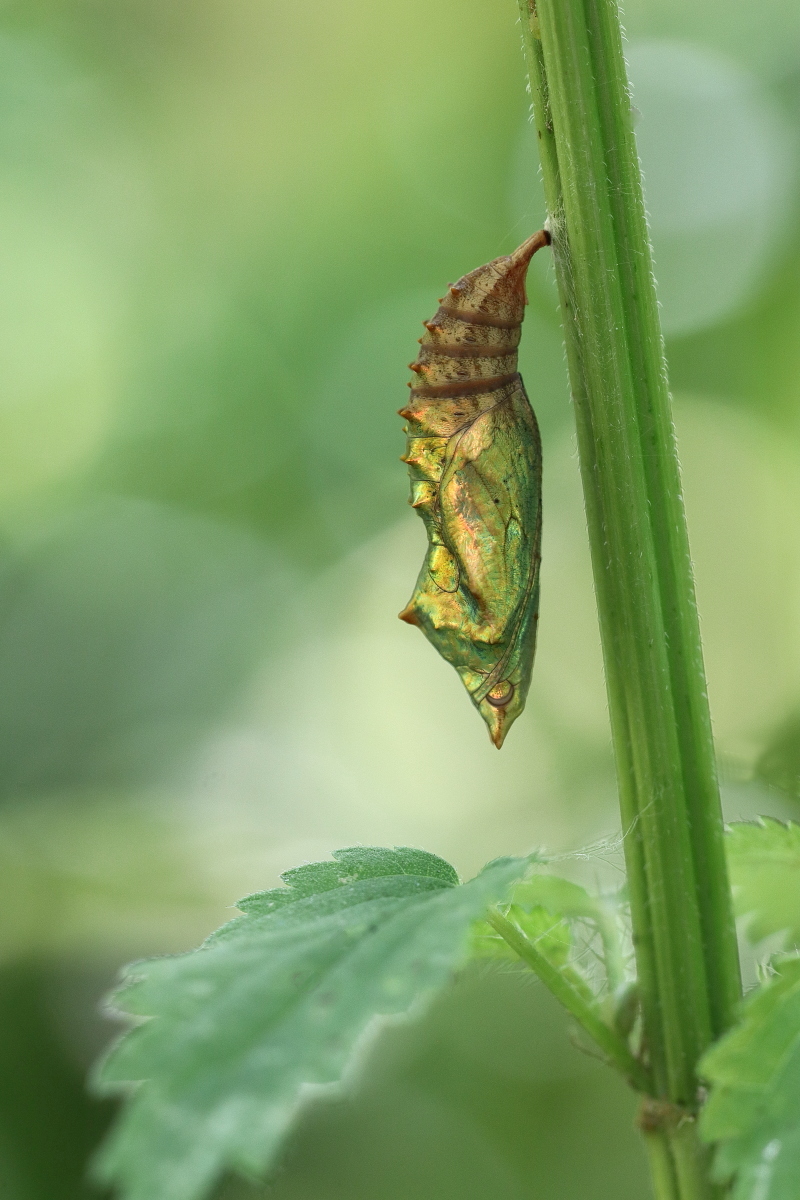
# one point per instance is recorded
(613, 961)
(611, 1044)
(680, 898)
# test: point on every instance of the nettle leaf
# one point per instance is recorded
(764, 864)
(278, 999)
(754, 1108)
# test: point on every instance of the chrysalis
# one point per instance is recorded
(475, 461)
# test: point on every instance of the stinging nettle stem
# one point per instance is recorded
(680, 898)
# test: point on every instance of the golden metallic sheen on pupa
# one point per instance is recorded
(475, 461)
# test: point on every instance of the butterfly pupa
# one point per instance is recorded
(475, 461)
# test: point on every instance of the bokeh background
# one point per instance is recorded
(221, 224)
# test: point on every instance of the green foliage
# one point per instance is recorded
(764, 864)
(276, 1000)
(549, 932)
(546, 909)
(754, 1108)
(556, 895)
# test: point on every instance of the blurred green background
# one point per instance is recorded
(221, 224)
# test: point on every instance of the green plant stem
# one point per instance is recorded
(613, 961)
(662, 1165)
(679, 1161)
(692, 1161)
(612, 1045)
(680, 899)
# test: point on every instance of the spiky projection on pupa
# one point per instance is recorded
(475, 461)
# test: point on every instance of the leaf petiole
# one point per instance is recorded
(612, 1045)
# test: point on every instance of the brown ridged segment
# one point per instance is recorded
(465, 350)
(477, 318)
(466, 387)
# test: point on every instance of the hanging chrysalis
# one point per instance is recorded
(475, 461)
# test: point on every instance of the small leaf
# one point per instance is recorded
(594, 944)
(557, 896)
(543, 907)
(549, 932)
(753, 1111)
(276, 1000)
(764, 864)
